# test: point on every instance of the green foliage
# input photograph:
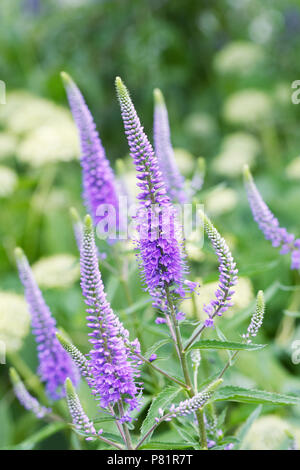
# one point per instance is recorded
(229, 101)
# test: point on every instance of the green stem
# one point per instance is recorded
(201, 423)
(125, 428)
(173, 379)
(228, 364)
(184, 366)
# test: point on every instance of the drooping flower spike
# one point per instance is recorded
(227, 277)
(269, 225)
(257, 318)
(24, 397)
(164, 151)
(160, 252)
(79, 418)
(99, 187)
(113, 365)
(54, 362)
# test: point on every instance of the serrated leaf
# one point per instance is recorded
(244, 395)
(186, 436)
(167, 445)
(162, 400)
(231, 345)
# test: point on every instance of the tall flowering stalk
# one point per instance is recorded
(269, 225)
(24, 397)
(112, 363)
(55, 365)
(160, 252)
(99, 186)
(164, 151)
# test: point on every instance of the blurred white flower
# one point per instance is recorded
(220, 200)
(8, 144)
(270, 433)
(208, 23)
(248, 107)
(200, 125)
(262, 28)
(52, 142)
(46, 130)
(238, 58)
(185, 161)
(8, 181)
(60, 270)
(282, 93)
(293, 169)
(193, 246)
(14, 320)
(237, 149)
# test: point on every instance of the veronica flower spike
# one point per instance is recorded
(164, 151)
(55, 365)
(112, 364)
(227, 279)
(269, 225)
(160, 252)
(99, 186)
(24, 397)
(79, 418)
(256, 319)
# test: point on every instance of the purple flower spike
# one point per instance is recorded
(111, 362)
(269, 225)
(99, 187)
(161, 255)
(28, 401)
(164, 151)
(55, 365)
(228, 274)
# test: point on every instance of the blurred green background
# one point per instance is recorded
(226, 70)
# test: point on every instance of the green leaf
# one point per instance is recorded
(157, 346)
(167, 445)
(215, 344)
(243, 431)
(162, 400)
(103, 419)
(139, 305)
(244, 395)
(222, 337)
(186, 436)
(39, 436)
